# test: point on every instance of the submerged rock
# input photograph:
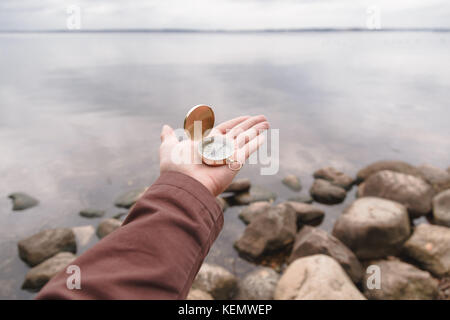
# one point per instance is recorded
(396, 166)
(253, 210)
(438, 178)
(334, 176)
(45, 244)
(256, 193)
(310, 241)
(129, 198)
(217, 281)
(197, 294)
(306, 213)
(441, 208)
(39, 275)
(324, 191)
(414, 193)
(239, 185)
(92, 213)
(259, 284)
(107, 226)
(83, 234)
(373, 227)
(293, 182)
(317, 277)
(22, 201)
(303, 198)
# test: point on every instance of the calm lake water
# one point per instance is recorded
(80, 115)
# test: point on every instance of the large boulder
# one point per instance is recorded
(256, 193)
(129, 198)
(39, 275)
(429, 247)
(258, 285)
(22, 201)
(401, 281)
(335, 176)
(324, 191)
(317, 277)
(414, 193)
(292, 182)
(239, 185)
(310, 241)
(438, 178)
(45, 244)
(197, 294)
(441, 208)
(268, 232)
(107, 226)
(217, 281)
(373, 228)
(396, 166)
(306, 213)
(253, 210)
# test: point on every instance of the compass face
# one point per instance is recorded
(216, 148)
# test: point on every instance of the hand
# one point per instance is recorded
(245, 131)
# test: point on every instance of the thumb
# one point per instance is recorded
(167, 134)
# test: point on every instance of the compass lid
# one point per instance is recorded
(202, 113)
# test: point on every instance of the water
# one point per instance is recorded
(80, 114)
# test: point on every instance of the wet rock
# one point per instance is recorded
(414, 193)
(324, 191)
(107, 226)
(268, 232)
(252, 210)
(396, 166)
(293, 182)
(45, 244)
(22, 201)
(92, 213)
(39, 275)
(373, 227)
(401, 281)
(304, 198)
(217, 281)
(438, 178)
(120, 216)
(306, 213)
(223, 204)
(129, 198)
(335, 176)
(197, 294)
(317, 277)
(83, 234)
(258, 285)
(429, 247)
(310, 241)
(239, 185)
(441, 208)
(256, 193)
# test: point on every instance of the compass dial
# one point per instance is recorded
(216, 149)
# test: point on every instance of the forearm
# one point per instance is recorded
(157, 251)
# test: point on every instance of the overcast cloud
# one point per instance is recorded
(222, 14)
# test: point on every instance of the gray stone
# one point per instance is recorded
(268, 232)
(293, 182)
(22, 201)
(129, 198)
(441, 208)
(414, 193)
(306, 213)
(373, 227)
(438, 178)
(429, 247)
(39, 275)
(45, 244)
(107, 226)
(92, 213)
(304, 198)
(317, 277)
(256, 193)
(310, 241)
(396, 166)
(324, 191)
(401, 281)
(197, 294)
(239, 185)
(259, 284)
(252, 210)
(335, 176)
(217, 281)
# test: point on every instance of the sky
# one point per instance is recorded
(223, 14)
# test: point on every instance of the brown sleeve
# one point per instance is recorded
(158, 250)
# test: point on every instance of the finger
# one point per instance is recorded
(245, 125)
(227, 125)
(249, 134)
(243, 153)
(168, 135)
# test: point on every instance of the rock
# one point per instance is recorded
(334, 176)
(22, 201)
(268, 232)
(217, 281)
(39, 275)
(310, 241)
(128, 199)
(324, 192)
(293, 182)
(306, 213)
(444, 289)
(223, 204)
(83, 234)
(414, 193)
(255, 194)
(306, 198)
(45, 244)
(401, 281)
(429, 247)
(197, 294)
(252, 210)
(396, 166)
(239, 185)
(258, 285)
(92, 213)
(438, 178)
(373, 227)
(317, 277)
(120, 216)
(107, 226)
(441, 208)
